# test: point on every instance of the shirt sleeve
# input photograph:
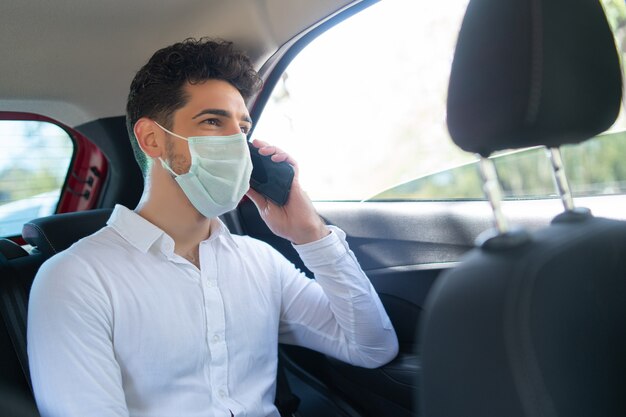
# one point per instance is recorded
(70, 347)
(338, 313)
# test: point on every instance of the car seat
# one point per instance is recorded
(49, 236)
(531, 323)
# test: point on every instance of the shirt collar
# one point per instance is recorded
(136, 230)
(219, 230)
(142, 234)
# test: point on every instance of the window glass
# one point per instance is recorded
(362, 109)
(594, 167)
(34, 161)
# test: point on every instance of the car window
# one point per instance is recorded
(362, 110)
(593, 168)
(34, 161)
(362, 107)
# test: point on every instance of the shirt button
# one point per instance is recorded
(216, 338)
(222, 393)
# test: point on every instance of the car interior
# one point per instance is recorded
(522, 319)
(547, 304)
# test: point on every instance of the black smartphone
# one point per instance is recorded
(272, 179)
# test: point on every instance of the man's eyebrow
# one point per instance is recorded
(220, 112)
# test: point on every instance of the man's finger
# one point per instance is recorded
(259, 143)
(257, 198)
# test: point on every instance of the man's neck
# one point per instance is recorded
(167, 207)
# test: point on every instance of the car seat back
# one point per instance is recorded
(531, 323)
(47, 236)
(17, 270)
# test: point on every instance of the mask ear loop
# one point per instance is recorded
(166, 166)
(170, 132)
(163, 163)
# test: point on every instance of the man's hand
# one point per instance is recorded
(297, 220)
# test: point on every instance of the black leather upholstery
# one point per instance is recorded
(52, 234)
(14, 403)
(522, 70)
(16, 276)
(533, 326)
(48, 235)
(11, 250)
(534, 330)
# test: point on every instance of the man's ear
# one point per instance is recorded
(148, 135)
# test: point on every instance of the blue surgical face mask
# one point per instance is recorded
(219, 175)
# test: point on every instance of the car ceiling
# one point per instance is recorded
(73, 60)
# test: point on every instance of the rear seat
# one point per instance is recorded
(17, 270)
(48, 236)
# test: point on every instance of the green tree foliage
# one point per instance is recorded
(615, 11)
(18, 183)
(34, 158)
(594, 167)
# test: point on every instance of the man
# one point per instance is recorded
(164, 312)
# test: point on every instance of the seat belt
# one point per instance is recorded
(13, 312)
(286, 401)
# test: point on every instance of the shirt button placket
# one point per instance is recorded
(216, 324)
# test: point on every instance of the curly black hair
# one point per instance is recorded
(157, 90)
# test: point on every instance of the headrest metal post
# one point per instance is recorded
(560, 179)
(491, 187)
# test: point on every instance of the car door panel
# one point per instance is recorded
(402, 247)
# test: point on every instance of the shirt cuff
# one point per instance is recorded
(324, 251)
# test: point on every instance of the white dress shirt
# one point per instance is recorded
(120, 325)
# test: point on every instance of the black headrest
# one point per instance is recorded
(532, 72)
(52, 234)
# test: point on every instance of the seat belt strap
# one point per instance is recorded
(286, 401)
(13, 311)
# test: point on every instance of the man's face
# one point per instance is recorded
(214, 108)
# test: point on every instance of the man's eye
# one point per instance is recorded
(212, 122)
